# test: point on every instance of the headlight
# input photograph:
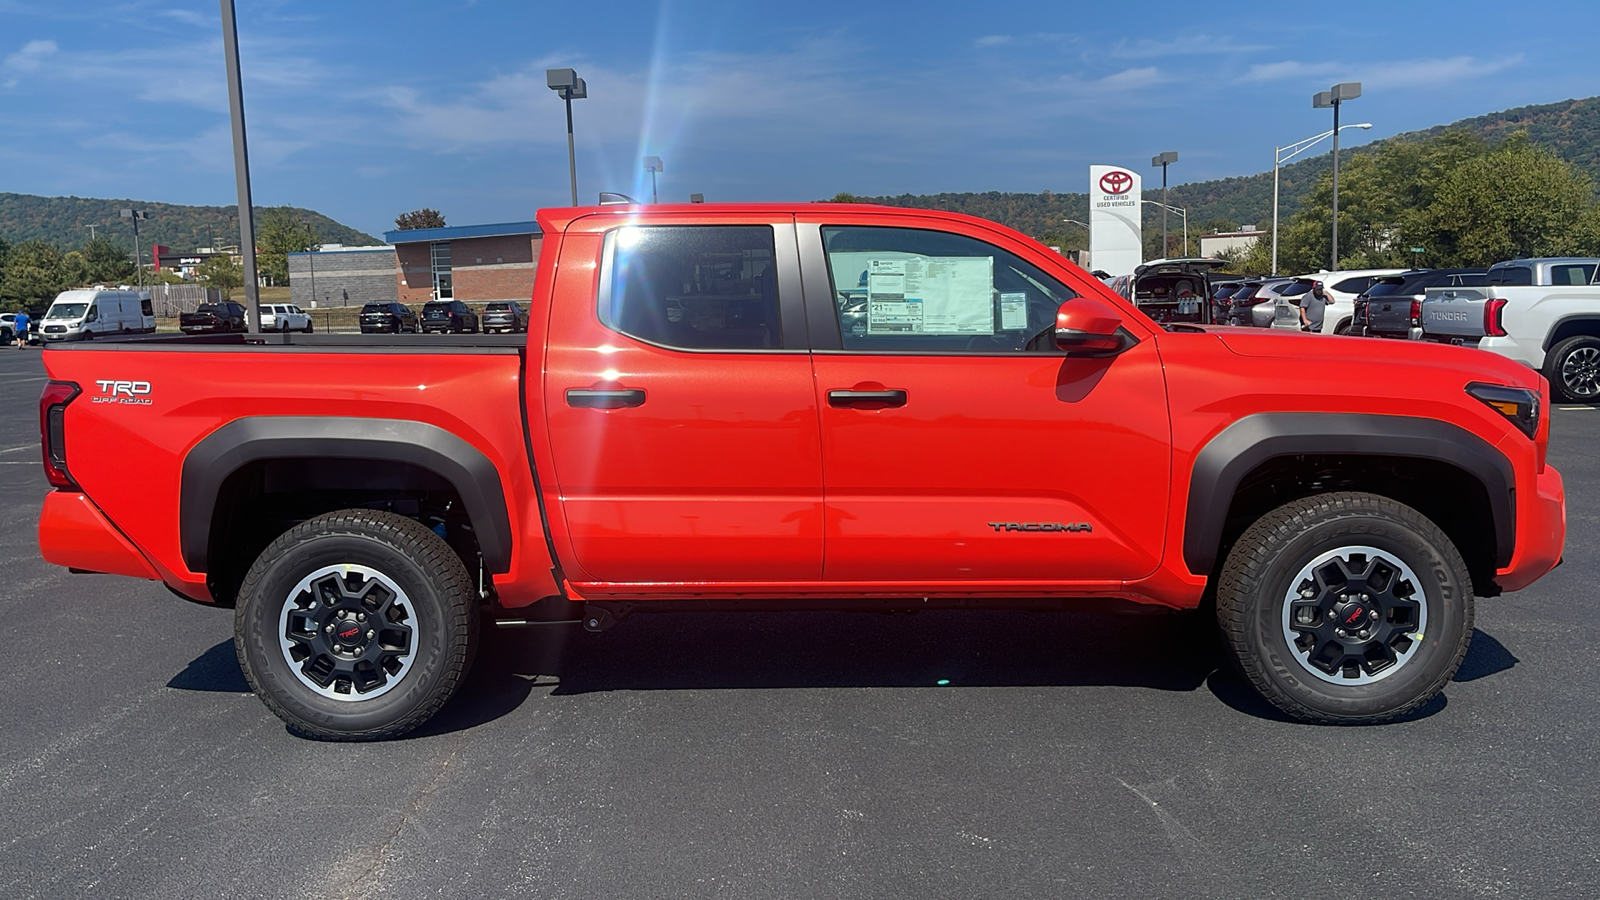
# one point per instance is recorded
(1520, 406)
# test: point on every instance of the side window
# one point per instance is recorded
(1511, 275)
(1571, 274)
(702, 287)
(1352, 285)
(145, 308)
(918, 290)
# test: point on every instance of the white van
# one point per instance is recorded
(92, 312)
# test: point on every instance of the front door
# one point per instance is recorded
(679, 399)
(959, 445)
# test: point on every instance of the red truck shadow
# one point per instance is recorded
(732, 651)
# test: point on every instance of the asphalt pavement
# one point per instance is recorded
(806, 755)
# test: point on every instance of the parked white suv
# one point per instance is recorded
(1344, 286)
(283, 317)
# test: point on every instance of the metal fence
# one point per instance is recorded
(170, 300)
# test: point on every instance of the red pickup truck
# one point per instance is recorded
(802, 406)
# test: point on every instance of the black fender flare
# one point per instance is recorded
(1223, 463)
(1585, 318)
(240, 442)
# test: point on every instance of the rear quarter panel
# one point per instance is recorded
(127, 457)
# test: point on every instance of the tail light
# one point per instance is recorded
(1257, 299)
(53, 431)
(1416, 313)
(1491, 317)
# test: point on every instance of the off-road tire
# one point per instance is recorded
(438, 593)
(1269, 559)
(1556, 360)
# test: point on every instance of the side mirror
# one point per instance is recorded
(1089, 327)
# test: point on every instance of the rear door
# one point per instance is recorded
(959, 445)
(678, 395)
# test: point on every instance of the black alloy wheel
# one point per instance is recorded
(1346, 608)
(1573, 369)
(356, 625)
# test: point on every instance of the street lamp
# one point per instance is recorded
(1348, 90)
(1082, 225)
(1180, 211)
(1164, 160)
(1281, 155)
(570, 87)
(652, 164)
(138, 263)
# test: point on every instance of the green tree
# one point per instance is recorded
(425, 217)
(1519, 200)
(844, 197)
(105, 261)
(281, 232)
(223, 272)
(35, 272)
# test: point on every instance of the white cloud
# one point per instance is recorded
(1410, 74)
(1183, 45)
(29, 59)
(994, 40)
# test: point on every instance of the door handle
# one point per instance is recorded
(874, 399)
(584, 398)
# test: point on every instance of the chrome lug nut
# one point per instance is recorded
(371, 635)
(1373, 615)
(361, 617)
(1341, 632)
(328, 628)
(1365, 634)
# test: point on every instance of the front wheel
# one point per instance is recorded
(1346, 608)
(356, 625)
(1573, 369)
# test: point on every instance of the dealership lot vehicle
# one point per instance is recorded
(1344, 286)
(284, 317)
(742, 438)
(86, 313)
(1392, 306)
(1255, 305)
(394, 318)
(1543, 313)
(448, 317)
(1171, 290)
(214, 318)
(505, 316)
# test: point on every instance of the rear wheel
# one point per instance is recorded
(1346, 608)
(1573, 369)
(356, 625)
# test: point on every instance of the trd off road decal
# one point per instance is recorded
(114, 391)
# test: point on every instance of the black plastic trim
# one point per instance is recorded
(243, 441)
(1224, 462)
(1550, 336)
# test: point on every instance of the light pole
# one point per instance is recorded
(566, 83)
(1163, 160)
(241, 170)
(138, 263)
(1348, 90)
(1281, 155)
(1180, 211)
(652, 164)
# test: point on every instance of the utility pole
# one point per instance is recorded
(138, 252)
(91, 230)
(241, 169)
(1164, 160)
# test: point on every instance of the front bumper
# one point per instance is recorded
(1541, 532)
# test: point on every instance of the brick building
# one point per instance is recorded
(341, 276)
(474, 263)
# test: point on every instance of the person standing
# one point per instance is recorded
(19, 327)
(1313, 306)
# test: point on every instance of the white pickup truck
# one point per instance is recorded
(1543, 313)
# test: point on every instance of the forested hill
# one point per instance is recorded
(65, 221)
(1571, 129)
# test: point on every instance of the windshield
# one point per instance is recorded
(1388, 287)
(67, 310)
(1295, 289)
(373, 308)
(498, 307)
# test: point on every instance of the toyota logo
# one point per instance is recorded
(1116, 181)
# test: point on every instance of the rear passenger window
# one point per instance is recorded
(702, 287)
(1572, 274)
(1512, 275)
(931, 291)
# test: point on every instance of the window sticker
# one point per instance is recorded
(1013, 311)
(930, 295)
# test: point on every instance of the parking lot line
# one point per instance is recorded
(23, 447)
(1575, 408)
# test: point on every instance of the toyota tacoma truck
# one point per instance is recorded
(806, 406)
(1542, 313)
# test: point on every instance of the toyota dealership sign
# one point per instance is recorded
(1116, 240)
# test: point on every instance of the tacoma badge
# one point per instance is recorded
(1040, 526)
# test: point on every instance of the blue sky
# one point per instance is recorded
(365, 109)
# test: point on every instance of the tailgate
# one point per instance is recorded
(1453, 313)
(1390, 315)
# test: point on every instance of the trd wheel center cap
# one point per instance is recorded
(348, 633)
(1352, 616)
